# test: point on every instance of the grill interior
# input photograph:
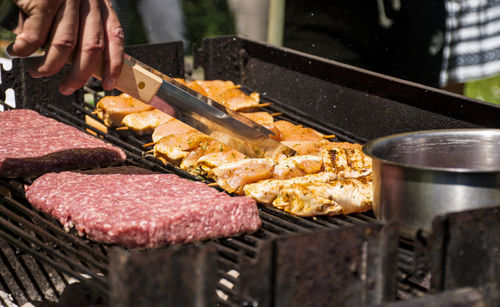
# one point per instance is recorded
(265, 268)
(42, 239)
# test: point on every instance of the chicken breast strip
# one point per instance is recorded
(232, 177)
(145, 122)
(342, 196)
(112, 109)
(266, 191)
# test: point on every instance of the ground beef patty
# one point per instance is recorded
(32, 145)
(134, 208)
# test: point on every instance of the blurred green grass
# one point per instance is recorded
(485, 89)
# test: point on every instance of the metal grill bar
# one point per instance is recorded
(101, 258)
(48, 249)
(100, 284)
(48, 237)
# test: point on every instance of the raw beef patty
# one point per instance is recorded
(135, 208)
(32, 145)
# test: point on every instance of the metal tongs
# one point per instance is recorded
(202, 113)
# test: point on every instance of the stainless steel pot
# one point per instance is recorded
(420, 175)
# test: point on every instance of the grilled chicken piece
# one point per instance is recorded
(181, 81)
(206, 146)
(175, 147)
(172, 127)
(216, 159)
(226, 93)
(346, 162)
(211, 88)
(112, 109)
(297, 166)
(313, 147)
(261, 118)
(266, 191)
(290, 132)
(233, 176)
(342, 196)
(234, 99)
(146, 122)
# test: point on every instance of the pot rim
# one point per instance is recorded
(371, 145)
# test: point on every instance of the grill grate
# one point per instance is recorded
(77, 255)
(42, 240)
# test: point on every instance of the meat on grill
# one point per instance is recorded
(145, 122)
(226, 93)
(343, 196)
(199, 154)
(112, 109)
(32, 144)
(129, 207)
(323, 193)
(343, 161)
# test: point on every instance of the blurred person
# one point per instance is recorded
(85, 31)
(163, 20)
(251, 18)
(472, 42)
(439, 43)
(399, 38)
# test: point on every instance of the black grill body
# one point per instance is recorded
(290, 261)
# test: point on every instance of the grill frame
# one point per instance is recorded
(277, 256)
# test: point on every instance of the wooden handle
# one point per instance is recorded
(136, 81)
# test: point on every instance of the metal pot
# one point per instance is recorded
(420, 175)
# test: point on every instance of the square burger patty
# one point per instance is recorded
(135, 208)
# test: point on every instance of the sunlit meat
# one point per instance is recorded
(310, 147)
(297, 166)
(343, 196)
(291, 132)
(171, 127)
(175, 147)
(216, 159)
(210, 88)
(266, 191)
(146, 122)
(346, 162)
(226, 93)
(112, 109)
(206, 146)
(261, 118)
(232, 177)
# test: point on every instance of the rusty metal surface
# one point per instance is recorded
(351, 266)
(462, 297)
(463, 250)
(182, 275)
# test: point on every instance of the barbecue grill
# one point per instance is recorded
(291, 261)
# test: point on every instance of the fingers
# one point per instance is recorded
(35, 27)
(63, 40)
(113, 52)
(87, 29)
(89, 49)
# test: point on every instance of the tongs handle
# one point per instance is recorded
(135, 80)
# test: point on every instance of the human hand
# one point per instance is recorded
(87, 32)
